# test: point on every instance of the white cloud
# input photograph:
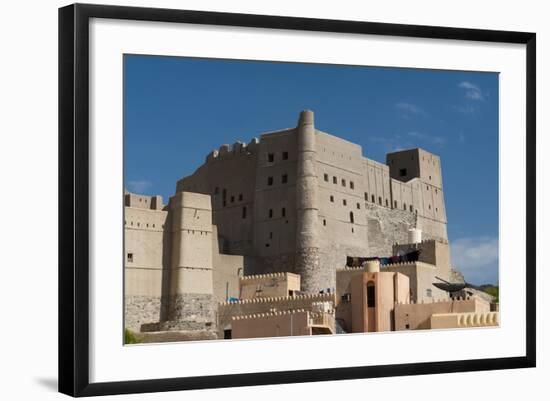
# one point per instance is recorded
(429, 139)
(474, 256)
(472, 91)
(411, 108)
(139, 186)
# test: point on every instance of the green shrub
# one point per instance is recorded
(130, 337)
(492, 291)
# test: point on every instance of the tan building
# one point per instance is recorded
(279, 324)
(174, 273)
(260, 234)
(302, 200)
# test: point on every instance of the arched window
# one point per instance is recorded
(351, 219)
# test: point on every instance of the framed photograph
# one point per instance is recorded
(252, 199)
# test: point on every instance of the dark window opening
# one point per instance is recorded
(283, 212)
(351, 185)
(334, 180)
(343, 182)
(284, 178)
(326, 177)
(331, 198)
(240, 197)
(130, 257)
(269, 181)
(404, 206)
(285, 155)
(358, 206)
(270, 157)
(224, 197)
(366, 196)
(372, 198)
(371, 295)
(380, 200)
(232, 199)
(411, 208)
(387, 204)
(351, 219)
(227, 334)
(324, 222)
(344, 202)
(270, 213)
(407, 326)
(402, 172)
(244, 212)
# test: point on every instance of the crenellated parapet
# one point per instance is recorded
(237, 149)
(287, 299)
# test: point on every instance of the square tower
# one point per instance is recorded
(415, 163)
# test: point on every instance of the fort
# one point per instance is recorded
(280, 219)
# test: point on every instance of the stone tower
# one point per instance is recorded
(307, 205)
(191, 259)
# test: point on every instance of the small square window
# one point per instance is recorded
(269, 181)
(284, 179)
(130, 257)
(402, 172)
(270, 157)
(285, 155)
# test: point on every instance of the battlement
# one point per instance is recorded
(308, 297)
(237, 149)
(403, 264)
(268, 276)
(270, 314)
(438, 301)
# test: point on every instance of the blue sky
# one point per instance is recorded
(176, 110)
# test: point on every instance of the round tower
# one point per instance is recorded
(307, 208)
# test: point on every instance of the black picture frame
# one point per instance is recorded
(74, 198)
